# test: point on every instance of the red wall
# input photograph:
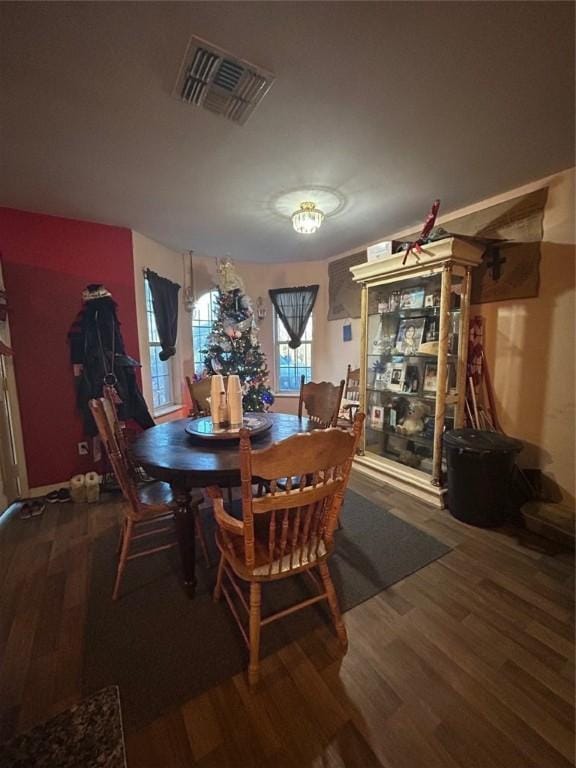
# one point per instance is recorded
(47, 261)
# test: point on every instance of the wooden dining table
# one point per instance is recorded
(167, 452)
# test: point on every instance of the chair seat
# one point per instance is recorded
(156, 497)
(301, 559)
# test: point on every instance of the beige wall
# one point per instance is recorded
(529, 343)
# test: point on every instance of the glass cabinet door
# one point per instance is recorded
(401, 377)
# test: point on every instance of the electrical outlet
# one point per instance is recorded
(83, 449)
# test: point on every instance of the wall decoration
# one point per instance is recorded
(343, 292)
(513, 231)
(347, 332)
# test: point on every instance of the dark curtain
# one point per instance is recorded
(165, 303)
(294, 307)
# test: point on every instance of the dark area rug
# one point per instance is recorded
(162, 649)
(87, 735)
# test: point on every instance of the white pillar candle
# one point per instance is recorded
(235, 406)
(235, 400)
(216, 386)
(234, 383)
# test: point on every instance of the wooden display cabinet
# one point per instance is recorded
(415, 319)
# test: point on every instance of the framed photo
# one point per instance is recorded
(411, 381)
(409, 335)
(377, 416)
(430, 377)
(429, 300)
(396, 377)
(412, 298)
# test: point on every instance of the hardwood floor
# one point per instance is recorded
(467, 663)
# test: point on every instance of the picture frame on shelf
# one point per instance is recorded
(411, 382)
(409, 335)
(376, 416)
(429, 300)
(412, 298)
(430, 379)
(379, 380)
(396, 377)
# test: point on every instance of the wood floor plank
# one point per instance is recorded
(468, 662)
(202, 727)
(461, 643)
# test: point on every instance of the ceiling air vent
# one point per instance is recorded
(212, 78)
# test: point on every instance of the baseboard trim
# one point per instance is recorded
(44, 490)
(396, 477)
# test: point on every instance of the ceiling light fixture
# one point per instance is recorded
(307, 219)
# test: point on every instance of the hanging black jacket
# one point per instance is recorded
(96, 343)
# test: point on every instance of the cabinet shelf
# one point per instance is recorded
(390, 355)
(400, 314)
(402, 347)
(395, 392)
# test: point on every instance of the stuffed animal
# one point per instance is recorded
(413, 422)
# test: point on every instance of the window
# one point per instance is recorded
(202, 320)
(160, 370)
(291, 364)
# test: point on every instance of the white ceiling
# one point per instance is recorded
(388, 104)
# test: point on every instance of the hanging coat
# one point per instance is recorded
(97, 345)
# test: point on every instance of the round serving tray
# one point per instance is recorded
(255, 423)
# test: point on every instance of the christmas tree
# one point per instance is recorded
(233, 346)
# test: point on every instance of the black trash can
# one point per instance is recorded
(480, 468)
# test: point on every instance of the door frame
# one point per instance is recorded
(12, 455)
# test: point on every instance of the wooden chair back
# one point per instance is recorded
(199, 394)
(352, 388)
(295, 519)
(321, 401)
(103, 413)
(111, 413)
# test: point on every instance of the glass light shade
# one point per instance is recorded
(308, 219)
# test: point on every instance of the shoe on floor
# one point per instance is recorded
(62, 495)
(33, 508)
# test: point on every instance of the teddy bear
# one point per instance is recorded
(413, 422)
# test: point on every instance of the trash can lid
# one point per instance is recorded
(479, 441)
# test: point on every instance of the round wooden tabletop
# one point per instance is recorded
(167, 452)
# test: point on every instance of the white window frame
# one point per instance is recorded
(307, 341)
(154, 348)
(204, 323)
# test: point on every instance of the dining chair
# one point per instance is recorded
(118, 428)
(199, 394)
(147, 504)
(286, 531)
(351, 396)
(321, 400)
